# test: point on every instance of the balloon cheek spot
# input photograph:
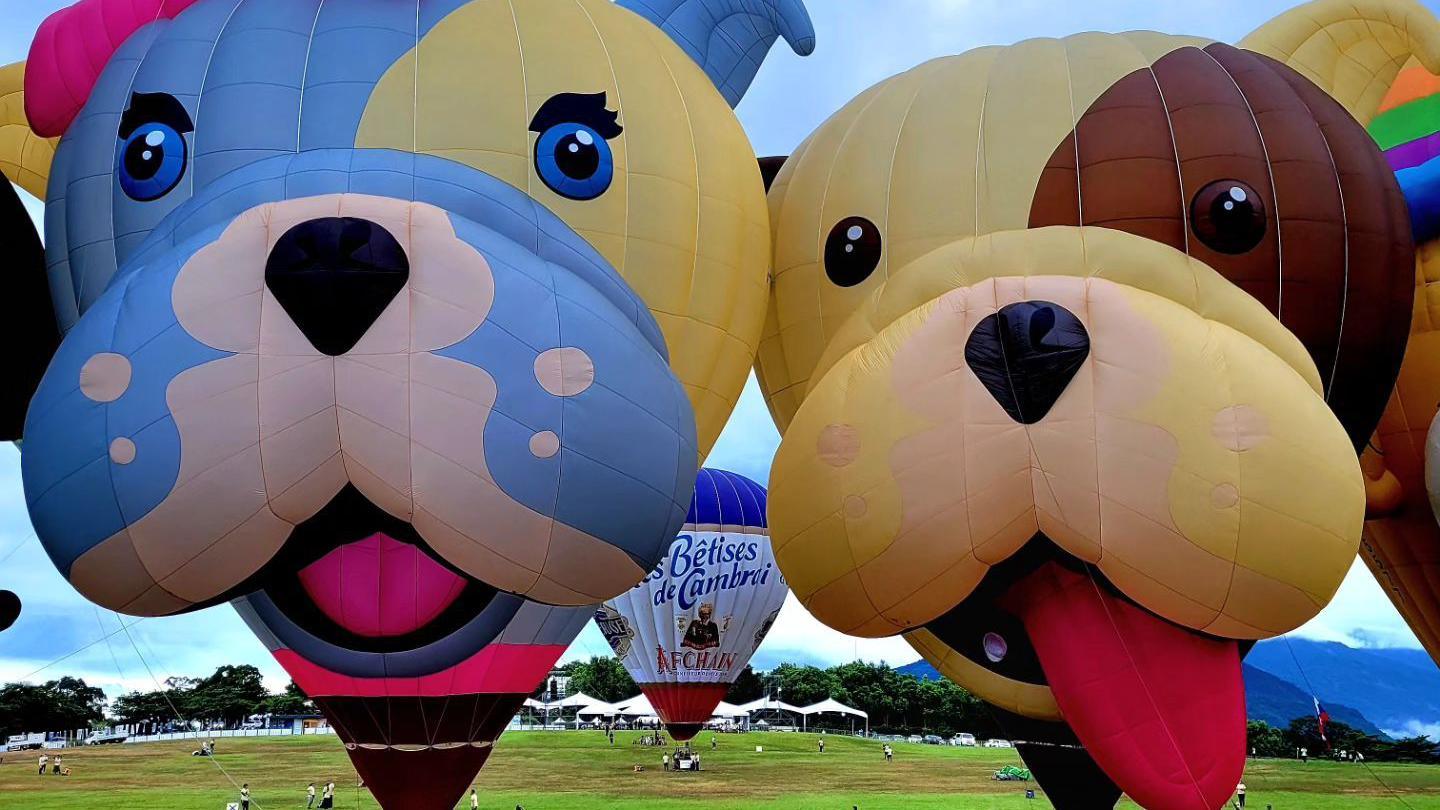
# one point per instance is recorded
(855, 507)
(105, 377)
(1239, 428)
(122, 451)
(544, 444)
(564, 372)
(1224, 496)
(838, 445)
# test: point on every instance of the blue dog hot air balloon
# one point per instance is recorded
(341, 287)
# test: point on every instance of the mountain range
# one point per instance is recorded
(1377, 690)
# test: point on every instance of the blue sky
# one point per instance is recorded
(860, 43)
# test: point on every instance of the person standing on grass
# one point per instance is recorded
(822, 745)
(665, 761)
(1240, 795)
(44, 760)
(310, 796)
(56, 772)
(712, 742)
(474, 799)
(245, 796)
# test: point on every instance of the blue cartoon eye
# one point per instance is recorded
(152, 161)
(575, 161)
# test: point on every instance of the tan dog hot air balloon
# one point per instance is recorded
(1073, 344)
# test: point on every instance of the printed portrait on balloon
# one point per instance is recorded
(702, 633)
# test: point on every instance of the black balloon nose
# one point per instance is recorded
(1026, 354)
(334, 277)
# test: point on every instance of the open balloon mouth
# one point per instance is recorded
(356, 577)
(1124, 678)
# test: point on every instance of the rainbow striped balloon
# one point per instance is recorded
(1407, 128)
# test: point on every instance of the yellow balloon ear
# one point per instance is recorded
(1351, 49)
(24, 156)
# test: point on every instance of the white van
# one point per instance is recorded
(967, 740)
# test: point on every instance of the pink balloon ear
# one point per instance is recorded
(72, 47)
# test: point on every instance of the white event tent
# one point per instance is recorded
(600, 709)
(830, 705)
(638, 706)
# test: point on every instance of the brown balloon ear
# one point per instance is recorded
(770, 168)
(28, 331)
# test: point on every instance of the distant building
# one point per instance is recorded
(298, 723)
(557, 686)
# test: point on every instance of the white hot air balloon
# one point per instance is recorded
(688, 629)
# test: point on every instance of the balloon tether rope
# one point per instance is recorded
(178, 716)
(1316, 697)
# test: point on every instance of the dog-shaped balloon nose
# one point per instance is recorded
(334, 277)
(402, 327)
(1072, 345)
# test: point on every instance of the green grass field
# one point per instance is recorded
(579, 771)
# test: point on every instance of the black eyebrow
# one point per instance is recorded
(578, 108)
(154, 108)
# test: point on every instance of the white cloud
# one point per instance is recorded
(748, 443)
(35, 208)
(1415, 728)
(1360, 615)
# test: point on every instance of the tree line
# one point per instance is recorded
(897, 703)
(1266, 740)
(227, 697)
(904, 704)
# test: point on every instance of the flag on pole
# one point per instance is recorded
(1322, 718)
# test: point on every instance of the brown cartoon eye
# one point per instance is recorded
(852, 251)
(1228, 216)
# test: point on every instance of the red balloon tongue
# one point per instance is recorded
(1160, 708)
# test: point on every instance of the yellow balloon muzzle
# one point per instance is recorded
(1190, 459)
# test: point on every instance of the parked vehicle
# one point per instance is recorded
(25, 742)
(915, 738)
(998, 744)
(105, 739)
(967, 740)
(934, 739)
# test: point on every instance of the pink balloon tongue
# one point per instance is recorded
(1160, 708)
(380, 587)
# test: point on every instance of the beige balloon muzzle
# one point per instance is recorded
(1192, 459)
